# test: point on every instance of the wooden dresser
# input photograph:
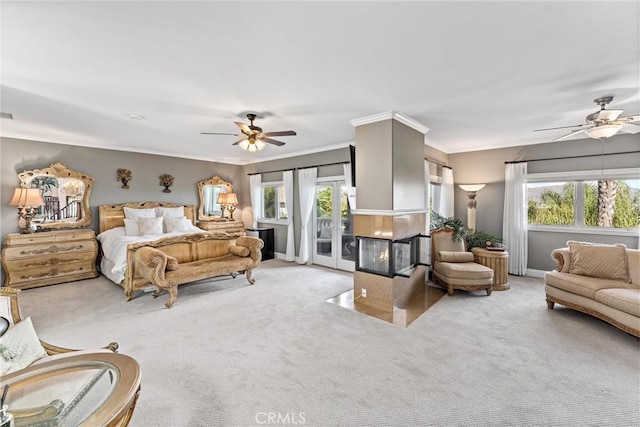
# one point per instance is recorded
(226, 226)
(50, 257)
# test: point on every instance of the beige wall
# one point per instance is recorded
(408, 168)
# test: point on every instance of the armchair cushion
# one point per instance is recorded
(463, 270)
(600, 261)
(449, 256)
(19, 347)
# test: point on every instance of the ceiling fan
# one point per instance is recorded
(603, 123)
(253, 138)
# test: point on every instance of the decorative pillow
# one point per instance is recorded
(19, 347)
(170, 212)
(600, 261)
(134, 214)
(149, 226)
(239, 251)
(175, 224)
(449, 256)
(131, 227)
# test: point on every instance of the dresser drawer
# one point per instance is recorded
(29, 263)
(57, 272)
(49, 250)
(30, 239)
(74, 235)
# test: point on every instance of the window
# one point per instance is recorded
(273, 202)
(611, 202)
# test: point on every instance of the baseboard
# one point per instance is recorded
(535, 273)
(283, 257)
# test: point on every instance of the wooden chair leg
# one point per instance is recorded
(550, 304)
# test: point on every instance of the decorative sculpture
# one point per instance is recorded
(124, 176)
(166, 181)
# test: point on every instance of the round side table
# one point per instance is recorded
(498, 262)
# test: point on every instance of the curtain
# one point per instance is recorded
(307, 188)
(351, 190)
(255, 182)
(446, 193)
(514, 224)
(427, 194)
(287, 178)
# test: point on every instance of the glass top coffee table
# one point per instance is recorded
(80, 388)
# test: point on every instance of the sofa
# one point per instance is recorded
(600, 280)
(209, 256)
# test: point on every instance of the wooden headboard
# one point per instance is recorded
(112, 216)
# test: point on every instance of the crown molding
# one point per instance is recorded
(402, 118)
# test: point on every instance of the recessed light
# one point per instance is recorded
(6, 116)
(136, 116)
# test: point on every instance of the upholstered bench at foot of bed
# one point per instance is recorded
(166, 273)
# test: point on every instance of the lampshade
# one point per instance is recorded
(231, 199)
(222, 199)
(472, 187)
(26, 197)
(244, 144)
(259, 144)
(603, 131)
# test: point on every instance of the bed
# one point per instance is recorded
(186, 244)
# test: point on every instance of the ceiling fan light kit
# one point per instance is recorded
(254, 138)
(602, 124)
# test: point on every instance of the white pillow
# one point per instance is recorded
(149, 226)
(134, 214)
(176, 224)
(170, 212)
(19, 347)
(131, 227)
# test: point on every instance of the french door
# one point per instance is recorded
(333, 240)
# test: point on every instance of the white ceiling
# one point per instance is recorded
(479, 74)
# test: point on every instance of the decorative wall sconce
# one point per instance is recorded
(26, 199)
(472, 192)
(166, 181)
(124, 176)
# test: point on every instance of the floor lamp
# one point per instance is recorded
(472, 192)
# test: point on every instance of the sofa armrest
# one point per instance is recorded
(563, 257)
(152, 265)
(254, 244)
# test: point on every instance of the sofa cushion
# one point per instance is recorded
(582, 285)
(601, 261)
(463, 270)
(452, 256)
(627, 300)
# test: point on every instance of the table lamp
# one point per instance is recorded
(26, 199)
(232, 203)
(222, 201)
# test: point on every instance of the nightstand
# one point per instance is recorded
(49, 257)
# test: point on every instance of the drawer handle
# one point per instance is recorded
(52, 250)
(52, 261)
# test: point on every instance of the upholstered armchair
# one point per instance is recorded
(454, 267)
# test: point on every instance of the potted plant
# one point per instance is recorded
(479, 239)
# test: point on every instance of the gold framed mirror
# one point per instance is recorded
(208, 190)
(65, 193)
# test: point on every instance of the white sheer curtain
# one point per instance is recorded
(255, 190)
(307, 188)
(514, 224)
(446, 193)
(351, 190)
(427, 194)
(287, 178)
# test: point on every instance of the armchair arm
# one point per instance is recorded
(152, 264)
(254, 244)
(563, 257)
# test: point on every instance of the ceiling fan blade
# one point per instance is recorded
(577, 131)
(632, 128)
(629, 119)
(608, 114)
(280, 133)
(216, 133)
(272, 141)
(244, 128)
(561, 127)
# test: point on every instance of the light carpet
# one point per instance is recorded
(276, 353)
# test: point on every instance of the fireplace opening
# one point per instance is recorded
(390, 258)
